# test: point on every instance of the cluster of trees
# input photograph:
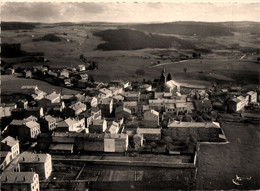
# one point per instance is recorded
(92, 65)
(11, 50)
(126, 39)
(49, 37)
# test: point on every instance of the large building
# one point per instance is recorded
(12, 145)
(202, 131)
(24, 130)
(16, 181)
(39, 163)
(151, 118)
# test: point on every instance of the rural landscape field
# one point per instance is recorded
(228, 50)
(130, 96)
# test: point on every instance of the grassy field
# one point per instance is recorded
(12, 84)
(222, 64)
(219, 164)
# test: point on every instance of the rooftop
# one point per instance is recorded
(61, 147)
(17, 122)
(49, 118)
(148, 131)
(193, 124)
(77, 106)
(10, 141)
(17, 177)
(31, 124)
(33, 158)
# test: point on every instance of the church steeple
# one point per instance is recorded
(163, 75)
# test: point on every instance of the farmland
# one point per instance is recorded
(12, 84)
(239, 157)
(230, 57)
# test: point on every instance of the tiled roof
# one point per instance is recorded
(17, 177)
(10, 141)
(33, 158)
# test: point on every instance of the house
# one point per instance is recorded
(90, 101)
(29, 89)
(28, 74)
(82, 83)
(10, 144)
(131, 96)
(252, 96)
(71, 124)
(95, 112)
(54, 97)
(172, 87)
(203, 105)
(106, 106)
(65, 73)
(122, 112)
(132, 105)
(6, 109)
(113, 128)
(119, 83)
(61, 148)
(151, 118)
(170, 108)
(22, 103)
(98, 126)
(38, 95)
(39, 163)
(181, 108)
(83, 76)
(20, 181)
(105, 93)
(237, 103)
(9, 71)
(179, 130)
(74, 110)
(160, 104)
(35, 111)
(145, 88)
(150, 134)
(5, 159)
(93, 142)
(47, 123)
(31, 118)
(115, 142)
(90, 115)
(116, 90)
(81, 67)
(24, 130)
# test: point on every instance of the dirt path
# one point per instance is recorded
(167, 63)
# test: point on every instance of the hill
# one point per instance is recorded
(200, 29)
(17, 25)
(126, 39)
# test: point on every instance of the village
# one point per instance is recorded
(133, 125)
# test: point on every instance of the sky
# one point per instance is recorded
(52, 12)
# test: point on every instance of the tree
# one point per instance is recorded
(169, 77)
(185, 69)
(196, 55)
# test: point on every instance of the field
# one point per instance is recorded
(12, 84)
(232, 58)
(219, 164)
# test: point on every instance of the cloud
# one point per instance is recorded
(128, 12)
